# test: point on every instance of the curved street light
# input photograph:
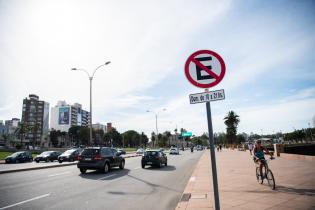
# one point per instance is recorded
(90, 78)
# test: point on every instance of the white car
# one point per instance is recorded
(140, 151)
(174, 151)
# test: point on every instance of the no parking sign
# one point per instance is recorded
(205, 69)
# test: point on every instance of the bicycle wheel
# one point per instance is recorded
(259, 179)
(271, 180)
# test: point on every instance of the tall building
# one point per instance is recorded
(63, 116)
(109, 127)
(11, 125)
(99, 126)
(35, 114)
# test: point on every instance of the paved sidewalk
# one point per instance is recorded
(239, 190)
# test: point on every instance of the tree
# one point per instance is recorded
(74, 133)
(132, 138)
(159, 139)
(116, 138)
(168, 135)
(54, 137)
(21, 130)
(144, 139)
(153, 138)
(231, 121)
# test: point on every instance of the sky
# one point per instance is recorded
(267, 47)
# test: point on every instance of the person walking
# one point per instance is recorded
(250, 147)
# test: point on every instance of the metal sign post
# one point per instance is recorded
(205, 69)
(213, 160)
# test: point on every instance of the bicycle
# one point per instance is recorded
(267, 173)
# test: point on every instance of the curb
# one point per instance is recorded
(44, 167)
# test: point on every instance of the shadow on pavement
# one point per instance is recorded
(153, 188)
(114, 173)
(297, 191)
(163, 168)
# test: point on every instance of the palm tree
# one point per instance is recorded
(231, 121)
(168, 135)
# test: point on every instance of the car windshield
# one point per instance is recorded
(151, 153)
(90, 151)
(68, 152)
(45, 153)
(16, 154)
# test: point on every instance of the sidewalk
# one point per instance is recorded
(239, 190)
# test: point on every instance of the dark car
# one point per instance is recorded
(69, 155)
(47, 156)
(19, 157)
(153, 158)
(100, 158)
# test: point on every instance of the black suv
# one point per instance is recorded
(47, 156)
(100, 158)
(153, 157)
(19, 157)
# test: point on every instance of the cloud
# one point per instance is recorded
(300, 94)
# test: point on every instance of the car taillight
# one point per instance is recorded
(79, 157)
(97, 157)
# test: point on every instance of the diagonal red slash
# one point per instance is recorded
(211, 73)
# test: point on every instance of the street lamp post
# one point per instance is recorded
(156, 116)
(91, 79)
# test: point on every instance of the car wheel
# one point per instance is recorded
(82, 170)
(143, 165)
(60, 161)
(51, 160)
(36, 161)
(122, 164)
(106, 168)
(160, 165)
(165, 163)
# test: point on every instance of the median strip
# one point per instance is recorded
(50, 166)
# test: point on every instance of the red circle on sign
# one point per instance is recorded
(217, 78)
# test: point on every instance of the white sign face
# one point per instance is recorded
(206, 96)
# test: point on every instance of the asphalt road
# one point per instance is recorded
(131, 188)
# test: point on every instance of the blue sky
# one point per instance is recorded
(267, 48)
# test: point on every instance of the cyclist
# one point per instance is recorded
(259, 156)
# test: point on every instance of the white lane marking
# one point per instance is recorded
(137, 168)
(107, 176)
(19, 203)
(192, 179)
(58, 174)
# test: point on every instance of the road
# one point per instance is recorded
(131, 188)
